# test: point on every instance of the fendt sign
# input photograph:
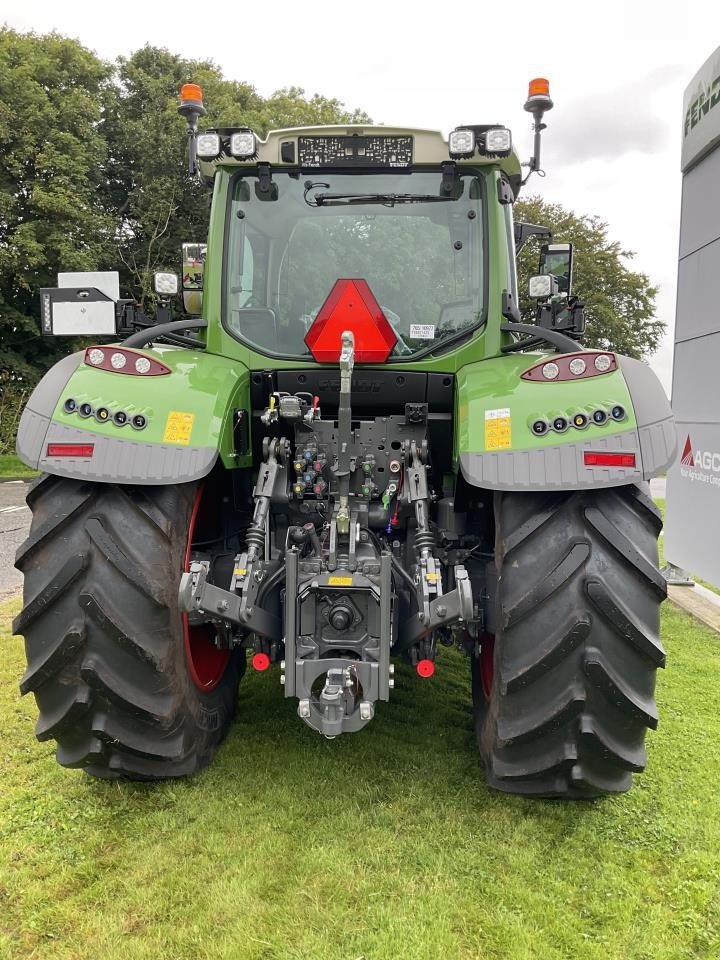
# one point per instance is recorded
(693, 492)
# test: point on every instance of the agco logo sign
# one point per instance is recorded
(700, 465)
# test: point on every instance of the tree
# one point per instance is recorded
(619, 302)
(94, 175)
(52, 96)
(158, 206)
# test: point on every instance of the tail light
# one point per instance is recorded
(120, 360)
(70, 449)
(571, 366)
(609, 459)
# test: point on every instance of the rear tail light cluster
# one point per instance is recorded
(120, 360)
(579, 420)
(571, 366)
(86, 410)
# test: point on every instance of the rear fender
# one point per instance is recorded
(495, 447)
(189, 415)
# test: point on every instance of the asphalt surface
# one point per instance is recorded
(14, 526)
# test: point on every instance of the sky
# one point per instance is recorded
(617, 73)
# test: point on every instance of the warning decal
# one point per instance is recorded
(497, 429)
(178, 427)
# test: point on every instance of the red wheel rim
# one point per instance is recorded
(206, 663)
(487, 663)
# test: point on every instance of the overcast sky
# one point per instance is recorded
(617, 72)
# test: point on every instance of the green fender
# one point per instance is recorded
(188, 415)
(495, 446)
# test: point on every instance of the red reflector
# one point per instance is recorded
(260, 661)
(70, 449)
(351, 306)
(609, 459)
(425, 668)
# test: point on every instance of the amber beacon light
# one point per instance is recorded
(539, 87)
(192, 108)
(537, 103)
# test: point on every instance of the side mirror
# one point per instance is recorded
(192, 276)
(556, 259)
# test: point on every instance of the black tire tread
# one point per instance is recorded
(103, 635)
(577, 644)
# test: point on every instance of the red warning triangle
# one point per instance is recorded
(351, 306)
(687, 454)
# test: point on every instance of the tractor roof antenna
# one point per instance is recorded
(192, 108)
(537, 103)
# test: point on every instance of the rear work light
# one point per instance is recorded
(243, 145)
(461, 143)
(70, 449)
(571, 366)
(120, 360)
(609, 459)
(208, 145)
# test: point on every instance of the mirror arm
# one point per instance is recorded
(143, 337)
(562, 343)
(524, 231)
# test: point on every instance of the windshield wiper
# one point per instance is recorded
(384, 199)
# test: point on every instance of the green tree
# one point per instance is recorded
(52, 96)
(619, 302)
(158, 206)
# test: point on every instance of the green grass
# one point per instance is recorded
(384, 844)
(12, 468)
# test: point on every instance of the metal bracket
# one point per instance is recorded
(449, 176)
(264, 177)
(196, 595)
(446, 608)
(676, 576)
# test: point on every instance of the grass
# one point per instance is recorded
(12, 468)
(385, 844)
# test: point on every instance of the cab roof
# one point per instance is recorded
(281, 148)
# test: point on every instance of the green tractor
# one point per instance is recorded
(352, 453)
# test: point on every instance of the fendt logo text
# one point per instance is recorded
(700, 465)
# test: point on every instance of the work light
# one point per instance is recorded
(498, 141)
(208, 145)
(540, 286)
(166, 284)
(243, 145)
(461, 143)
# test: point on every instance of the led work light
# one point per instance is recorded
(243, 145)
(208, 145)
(461, 143)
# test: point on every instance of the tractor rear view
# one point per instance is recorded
(349, 452)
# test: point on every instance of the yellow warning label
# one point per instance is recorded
(240, 571)
(178, 427)
(431, 576)
(340, 581)
(498, 429)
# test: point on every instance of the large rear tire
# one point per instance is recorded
(572, 678)
(122, 684)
